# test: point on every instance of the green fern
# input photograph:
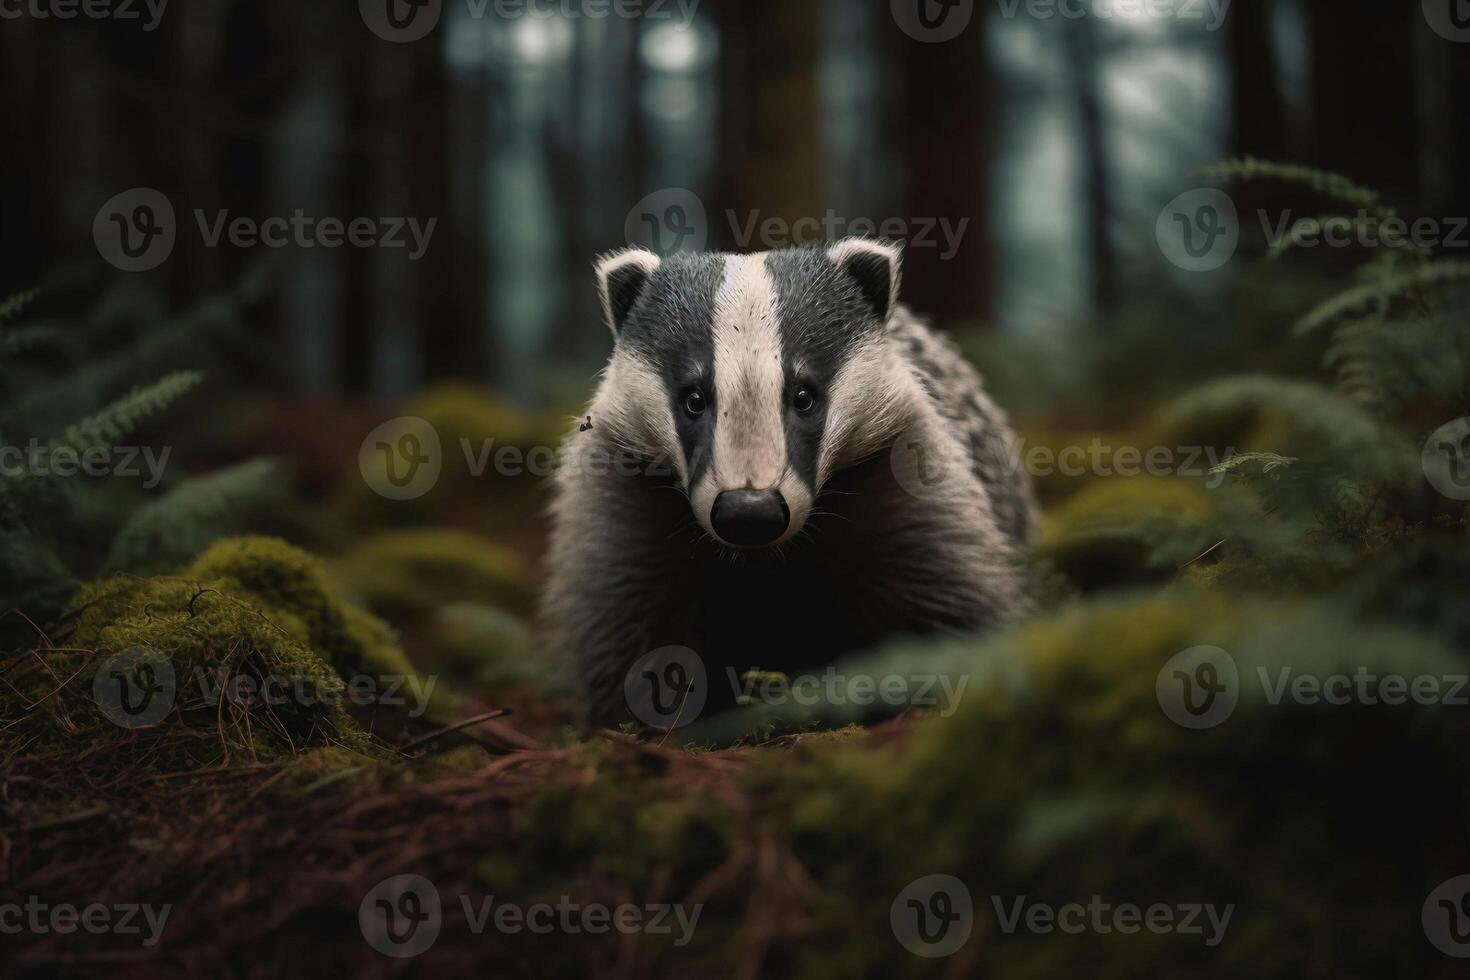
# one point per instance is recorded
(1330, 481)
(119, 419)
(1380, 292)
(12, 306)
(23, 340)
(212, 335)
(1363, 227)
(1301, 419)
(1377, 346)
(171, 530)
(1300, 229)
(1271, 464)
(1400, 364)
(108, 336)
(1331, 185)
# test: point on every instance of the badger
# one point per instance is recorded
(781, 465)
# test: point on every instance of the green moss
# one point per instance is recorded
(456, 761)
(336, 767)
(253, 642)
(1049, 455)
(618, 816)
(494, 648)
(284, 578)
(506, 495)
(685, 834)
(1126, 531)
(463, 410)
(219, 643)
(415, 571)
(1074, 783)
(1256, 413)
(500, 873)
(1119, 498)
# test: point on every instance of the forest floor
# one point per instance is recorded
(256, 841)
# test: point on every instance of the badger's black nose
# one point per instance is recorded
(750, 517)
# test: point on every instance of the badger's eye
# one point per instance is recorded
(694, 403)
(804, 400)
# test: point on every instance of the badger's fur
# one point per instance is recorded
(793, 372)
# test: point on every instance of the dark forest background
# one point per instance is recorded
(530, 137)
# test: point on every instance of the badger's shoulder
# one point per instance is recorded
(959, 395)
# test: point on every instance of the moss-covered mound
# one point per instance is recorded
(463, 600)
(492, 647)
(415, 571)
(1128, 531)
(279, 576)
(1063, 778)
(495, 458)
(248, 650)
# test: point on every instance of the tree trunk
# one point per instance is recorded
(945, 114)
(1363, 96)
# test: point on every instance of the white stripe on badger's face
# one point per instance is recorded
(750, 380)
(749, 395)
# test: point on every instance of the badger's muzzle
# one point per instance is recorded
(750, 518)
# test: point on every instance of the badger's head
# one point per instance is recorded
(757, 376)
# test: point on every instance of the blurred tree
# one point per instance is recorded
(1258, 121)
(1442, 81)
(1362, 68)
(1082, 45)
(34, 79)
(769, 126)
(946, 128)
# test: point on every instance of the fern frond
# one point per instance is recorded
(1389, 364)
(121, 417)
(1328, 184)
(1299, 230)
(1364, 227)
(1271, 463)
(23, 340)
(1293, 418)
(12, 306)
(1381, 291)
(174, 528)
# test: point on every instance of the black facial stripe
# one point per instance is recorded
(671, 327)
(804, 432)
(824, 316)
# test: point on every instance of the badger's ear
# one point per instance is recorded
(874, 266)
(621, 279)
